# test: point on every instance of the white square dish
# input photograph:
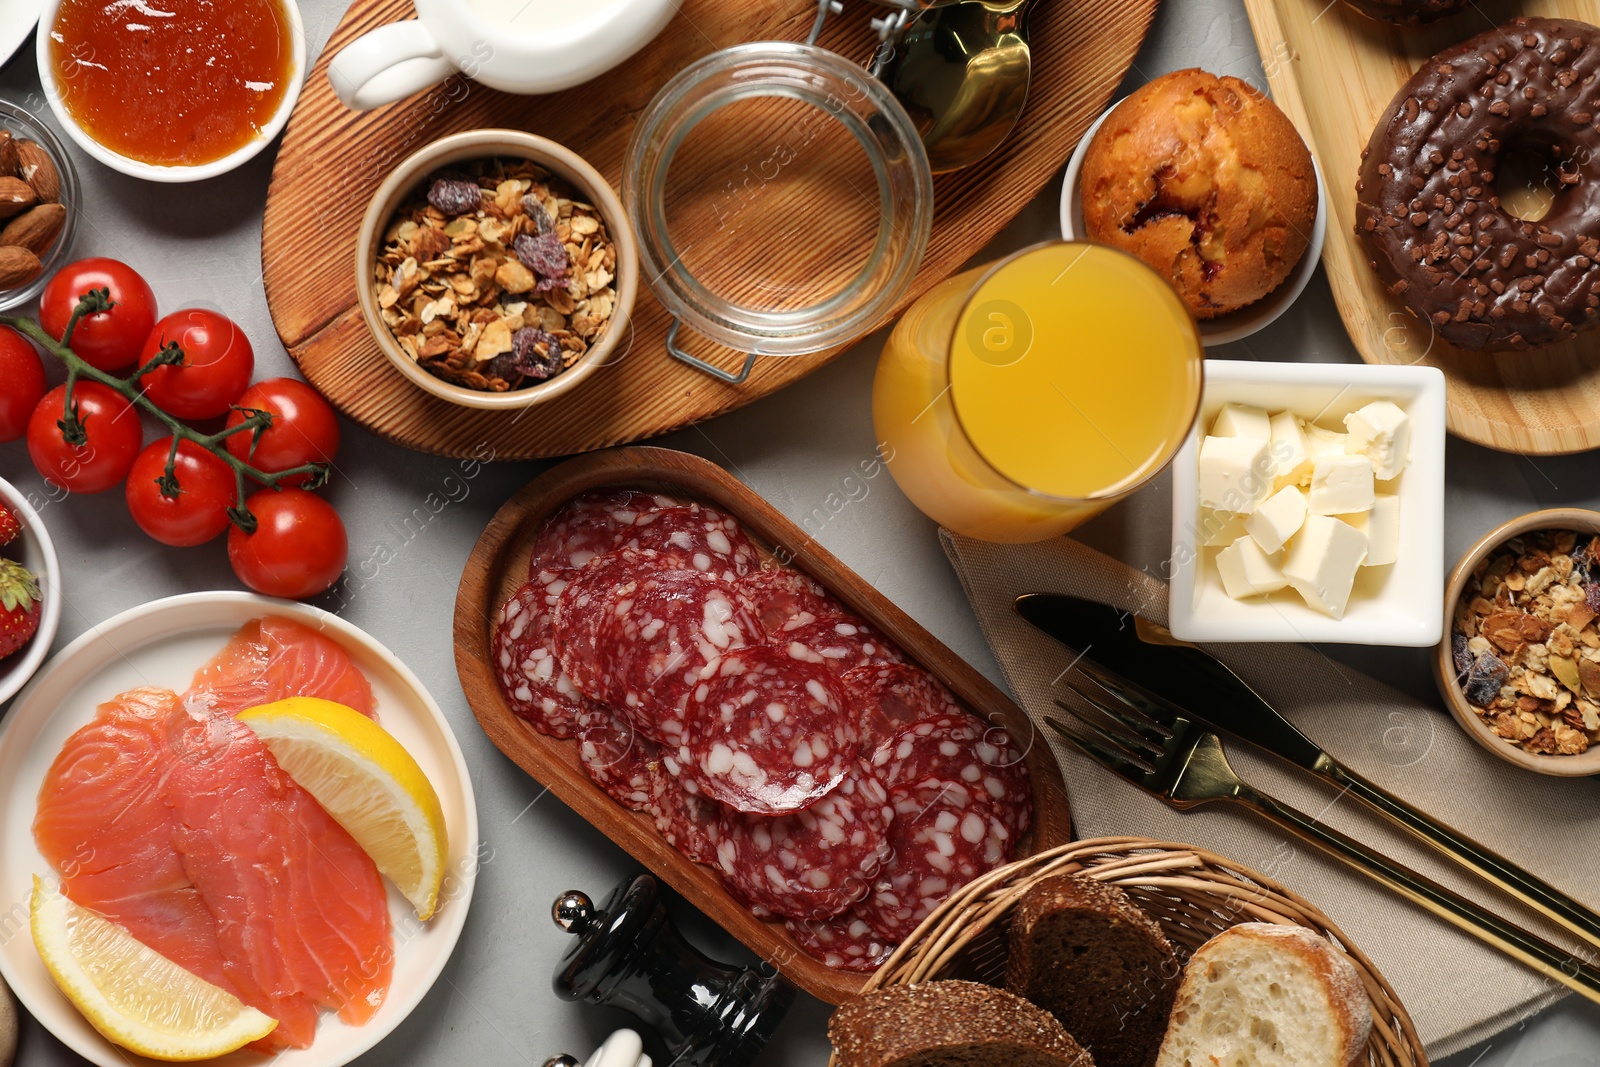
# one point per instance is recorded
(1391, 605)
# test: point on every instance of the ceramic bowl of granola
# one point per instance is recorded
(497, 269)
(1519, 665)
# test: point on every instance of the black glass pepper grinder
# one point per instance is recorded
(629, 955)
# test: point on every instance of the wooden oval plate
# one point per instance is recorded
(1333, 71)
(499, 564)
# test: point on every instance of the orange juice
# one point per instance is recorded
(1016, 400)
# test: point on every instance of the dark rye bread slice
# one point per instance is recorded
(949, 1024)
(1084, 952)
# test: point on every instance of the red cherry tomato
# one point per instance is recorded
(205, 493)
(298, 549)
(21, 383)
(216, 368)
(108, 339)
(304, 428)
(114, 434)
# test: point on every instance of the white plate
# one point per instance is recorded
(1236, 325)
(1393, 605)
(162, 643)
(35, 551)
(17, 19)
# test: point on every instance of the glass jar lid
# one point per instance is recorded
(781, 197)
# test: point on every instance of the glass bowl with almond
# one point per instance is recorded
(496, 269)
(1519, 665)
(38, 205)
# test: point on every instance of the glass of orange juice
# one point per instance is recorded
(1016, 400)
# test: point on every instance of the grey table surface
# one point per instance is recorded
(200, 246)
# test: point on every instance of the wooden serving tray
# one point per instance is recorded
(1334, 71)
(499, 564)
(333, 159)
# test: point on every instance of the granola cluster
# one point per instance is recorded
(1526, 647)
(496, 277)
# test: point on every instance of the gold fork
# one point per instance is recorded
(1168, 755)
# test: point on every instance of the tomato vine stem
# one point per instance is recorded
(256, 421)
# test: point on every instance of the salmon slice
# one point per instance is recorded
(178, 824)
(104, 826)
(272, 658)
(301, 910)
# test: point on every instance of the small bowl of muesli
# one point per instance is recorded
(1519, 666)
(497, 269)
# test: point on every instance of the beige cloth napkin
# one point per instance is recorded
(1458, 990)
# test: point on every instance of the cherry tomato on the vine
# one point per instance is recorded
(114, 433)
(110, 340)
(21, 383)
(205, 493)
(298, 548)
(216, 368)
(304, 428)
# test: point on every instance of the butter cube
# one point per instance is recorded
(1212, 529)
(1321, 441)
(1235, 473)
(1290, 455)
(1382, 527)
(1277, 519)
(1321, 565)
(1381, 432)
(1341, 485)
(1247, 571)
(1242, 420)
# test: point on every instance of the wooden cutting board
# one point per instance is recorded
(1334, 71)
(333, 159)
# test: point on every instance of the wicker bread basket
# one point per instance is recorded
(1192, 893)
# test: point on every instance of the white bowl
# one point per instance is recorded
(151, 171)
(1236, 325)
(1393, 605)
(161, 643)
(35, 551)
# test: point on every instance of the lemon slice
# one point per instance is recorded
(368, 782)
(131, 993)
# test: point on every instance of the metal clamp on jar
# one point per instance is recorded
(629, 955)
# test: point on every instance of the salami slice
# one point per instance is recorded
(785, 598)
(662, 637)
(593, 593)
(843, 641)
(592, 524)
(809, 864)
(623, 762)
(960, 748)
(534, 684)
(888, 696)
(846, 942)
(689, 823)
(768, 732)
(943, 836)
(697, 538)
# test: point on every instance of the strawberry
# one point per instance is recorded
(10, 527)
(19, 606)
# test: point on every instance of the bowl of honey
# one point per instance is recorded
(178, 92)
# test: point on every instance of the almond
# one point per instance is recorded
(10, 160)
(39, 170)
(18, 266)
(16, 196)
(35, 229)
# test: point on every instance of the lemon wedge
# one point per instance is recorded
(368, 782)
(131, 993)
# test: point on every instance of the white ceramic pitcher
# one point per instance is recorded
(518, 46)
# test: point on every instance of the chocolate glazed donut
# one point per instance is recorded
(1426, 203)
(1407, 12)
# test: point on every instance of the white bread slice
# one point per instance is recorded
(1262, 995)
